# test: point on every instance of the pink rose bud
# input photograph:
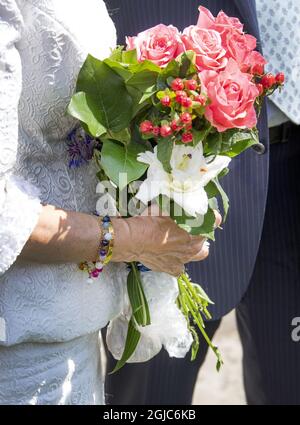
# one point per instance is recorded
(186, 118)
(200, 99)
(191, 84)
(146, 127)
(187, 137)
(177, 84)
(166, 101)
(156, 131)
(258, 69)
(166, 131)
(260, 88)
(280, 78)
(268, 81)
(180, 95)
(186, 102)
(175, 126)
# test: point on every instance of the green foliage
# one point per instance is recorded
(132, 340)
(230, 143)
(164, 152)
(140, 315)
(85, 110)
(118, 159)
(214, 189)
(139, 305)
(107, 103)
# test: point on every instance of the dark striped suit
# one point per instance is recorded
(234, 262)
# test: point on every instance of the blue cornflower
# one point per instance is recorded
(80, 147)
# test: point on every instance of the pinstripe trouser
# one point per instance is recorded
(271, 358)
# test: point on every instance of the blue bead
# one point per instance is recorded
(104, 242)
(103, 253)
(106, 224)
(106, 219)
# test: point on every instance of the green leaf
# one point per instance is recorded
(207, 229)
(200, 135)
(235, 142)
(167, 74)
(224, 197)
(195, 344)
(107, 91)
(85, 110)
(187, 64)
(239, 147)
(129, 57)
(132, 340)
(148, 93)
(164, 152)
(116, 54)
(202, 294)
(142, 80)
(117, 159)
(118, 68)
(144, 66)
(123, 136)
(138, 301)
(214, 189)
(213, 144)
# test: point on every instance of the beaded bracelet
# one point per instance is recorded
(105, 250)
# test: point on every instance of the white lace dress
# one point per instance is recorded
(43, 44)
(50, 316)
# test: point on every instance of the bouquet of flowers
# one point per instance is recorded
(163, 118)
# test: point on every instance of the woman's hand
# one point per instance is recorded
(158, 243)
(154, 240)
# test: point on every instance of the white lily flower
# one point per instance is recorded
(190, 173)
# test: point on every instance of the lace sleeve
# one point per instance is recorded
(19, 204)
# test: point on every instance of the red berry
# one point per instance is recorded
(146, 127)
(186, 118)
(258, 69)
(280, 78)
(191, 84)
(166, 101)
(165, 130)
(260, 88)
(186, 102)
(177, 84)
(156, 131)
(187, 137)
(201, 99)
(268, 81)
(180, 95)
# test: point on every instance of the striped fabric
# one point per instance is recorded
(266, 313)
(226, 274)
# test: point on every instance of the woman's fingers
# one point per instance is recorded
(218, 218)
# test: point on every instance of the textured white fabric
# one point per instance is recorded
(279, 24)
(49, 315)
(168, 327)
(42, 47)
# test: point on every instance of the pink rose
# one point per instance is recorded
(254, 59)
(239, 46)
(232, 95)
(224, 22)
(159, 44)
(207, 44)
(221, 23)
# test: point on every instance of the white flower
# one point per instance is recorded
(191, 172)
